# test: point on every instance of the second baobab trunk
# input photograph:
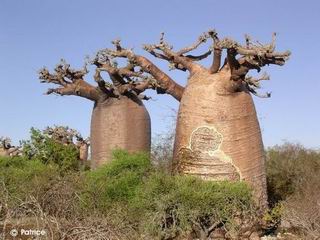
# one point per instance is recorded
(6, 149)
(119, 124)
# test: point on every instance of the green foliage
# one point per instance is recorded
(116, 182)
(289, 168)
(273, 216)
(293, 177)
(161, 205)
(47, 150)
(130, 193)
(22, 177)
(168, 206)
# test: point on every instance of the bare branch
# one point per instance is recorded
(254, 92)
(257, 55)
(14, 151)
(253, 55)
(5, 142)
(71, 80)
(175, 58)
(62, 134)
(255, 82)
(162, 82)
(217, 51)
(126, 79)
(237, 72)
(170, 56)
(156, 54)
(104, 87)
(252, 84)
(202, 39)
(199, 57)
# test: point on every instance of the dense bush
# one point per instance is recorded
(23, 177)
(115, 183)
(24, 188)
(168, 206)
(293, 174)
(131, 196)
(131, 199)
(290, 167)
(161, 206)
(301, 210)
(47, 150)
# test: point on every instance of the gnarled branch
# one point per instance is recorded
(176, 58)
(255, 82)
(162, 82)
(217, 52)
(202, 39)
(71, 80)
(252, 56)
(61, 134)
(126, 79)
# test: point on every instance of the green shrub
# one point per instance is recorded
(47, 150)
(302, 209)
(128, 190)
(293, 177)
(168, 206)
(289, 167)
(22, 177)
(116, 182)
(130, 194)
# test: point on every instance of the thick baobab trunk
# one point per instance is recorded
(83, 152)
(14, 151)
(218, 135)
(3, 152)
(118, 124)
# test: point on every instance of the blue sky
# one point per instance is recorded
(37, 33)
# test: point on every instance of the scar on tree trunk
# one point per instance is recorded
(218, 135)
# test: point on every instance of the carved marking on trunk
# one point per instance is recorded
(205, 139)
(204, 157)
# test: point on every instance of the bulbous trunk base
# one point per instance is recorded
(118, 124)
(218, 135)
(3, 152)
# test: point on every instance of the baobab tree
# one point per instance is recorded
(6, 149)
(68, 136)
(83, 146)
(217, 134)
(62, 134)
(119, 117)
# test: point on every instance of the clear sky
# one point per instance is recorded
(37, 33)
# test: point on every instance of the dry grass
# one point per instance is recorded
(302, 210)
(294, 181)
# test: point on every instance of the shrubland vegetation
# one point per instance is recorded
(47, 150)
(130, 198)
(293, 175)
